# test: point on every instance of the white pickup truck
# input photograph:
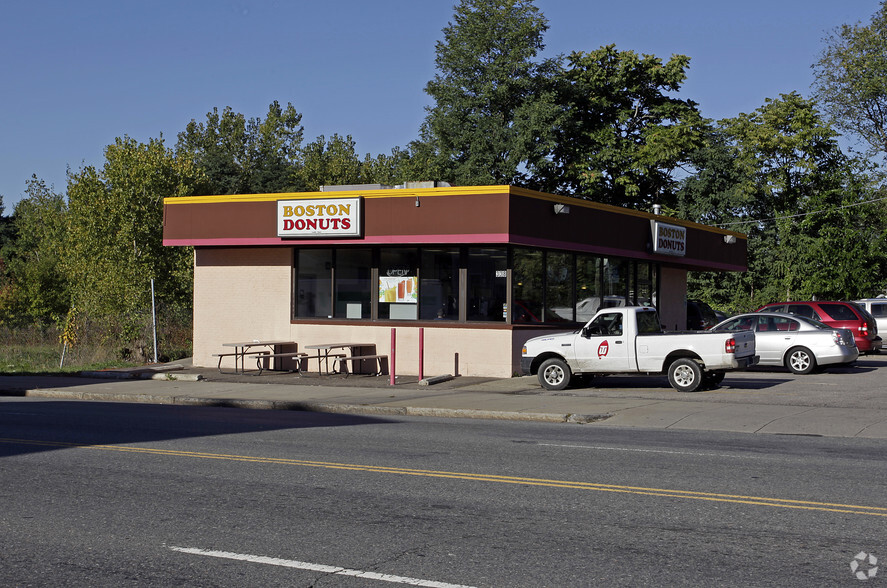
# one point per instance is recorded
(630, 340)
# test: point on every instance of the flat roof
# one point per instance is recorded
(494, 215)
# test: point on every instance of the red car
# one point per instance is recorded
(838, 314)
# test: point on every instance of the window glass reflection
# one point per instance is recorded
(559, 287)
(487, 283)
(314, 282)
(353, 283)
(527, 286)
(439, 284)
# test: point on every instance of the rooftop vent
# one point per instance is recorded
(404, 186)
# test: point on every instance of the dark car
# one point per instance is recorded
(837, 314)
(701, 316)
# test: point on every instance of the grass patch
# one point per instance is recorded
(34, 350)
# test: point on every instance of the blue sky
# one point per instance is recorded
(75, 75)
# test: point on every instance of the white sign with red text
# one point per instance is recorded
(328, 217)
(669, 239)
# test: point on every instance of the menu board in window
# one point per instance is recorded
(398, 289)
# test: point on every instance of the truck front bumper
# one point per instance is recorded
(525, 363)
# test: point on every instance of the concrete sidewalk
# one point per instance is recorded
(841, 403)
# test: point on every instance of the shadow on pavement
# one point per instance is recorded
(34, 426)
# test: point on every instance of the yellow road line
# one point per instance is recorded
(568, 484)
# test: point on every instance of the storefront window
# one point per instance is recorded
(398, 284)
(526, 282)
(354, 287)
(424, 284)
(487, 284)
(588, 287)
(314, 283)
(559, 287)
(616, 278)
(646, 284)
(439, 284)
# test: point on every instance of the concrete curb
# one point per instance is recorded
(322, 407)
(142, 375)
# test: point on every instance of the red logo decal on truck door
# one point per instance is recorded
(603, 349)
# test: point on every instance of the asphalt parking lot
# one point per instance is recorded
(861, 385)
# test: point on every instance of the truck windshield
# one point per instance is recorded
(648, 322)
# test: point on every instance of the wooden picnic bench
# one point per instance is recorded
(298, 356)
(237, 355)
(380, 361)
(242, 350)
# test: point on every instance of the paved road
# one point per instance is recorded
(125, 494)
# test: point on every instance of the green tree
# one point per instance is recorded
(779, 175)
(624, 134)
(114, 232)
(494, 107)
(240, 156)
(851, 79)
(329, 162)
(387, 169)
(36, 289)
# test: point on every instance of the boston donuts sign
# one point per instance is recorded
(328, 217)
(669, 239)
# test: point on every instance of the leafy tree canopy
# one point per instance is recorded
(241, 156)
(851, 79)
(35, 289)
(114, 229)
(779, 175)
(494, 108)
(624, 134)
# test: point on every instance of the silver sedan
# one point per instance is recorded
(798, 343)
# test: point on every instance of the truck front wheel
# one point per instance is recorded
(554, 374)
(685, 375)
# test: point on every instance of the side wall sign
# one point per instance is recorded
(669, 239)
(327, 217)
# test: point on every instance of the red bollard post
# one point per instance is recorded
(393, 357)
(421, 353)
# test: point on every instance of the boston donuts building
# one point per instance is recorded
(479, 269)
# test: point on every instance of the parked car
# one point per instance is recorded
(836, 314)
(800, 344)
(700, 316)
(877, 307)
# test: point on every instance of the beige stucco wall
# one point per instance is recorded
(672, 305)
(243, 294)
(239, 295)
(481, 352)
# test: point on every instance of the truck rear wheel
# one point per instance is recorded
(554, 374)
(685, 375)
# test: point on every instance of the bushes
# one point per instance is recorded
(96, 343)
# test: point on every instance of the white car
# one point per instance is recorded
(877, 307)
(799, 343)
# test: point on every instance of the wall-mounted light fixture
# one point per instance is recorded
(561, 209)
(730, 239)
(417, 201)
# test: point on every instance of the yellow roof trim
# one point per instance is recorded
(383, 193)
(450, 191)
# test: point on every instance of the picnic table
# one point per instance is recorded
(358, 354)
(278, 351)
